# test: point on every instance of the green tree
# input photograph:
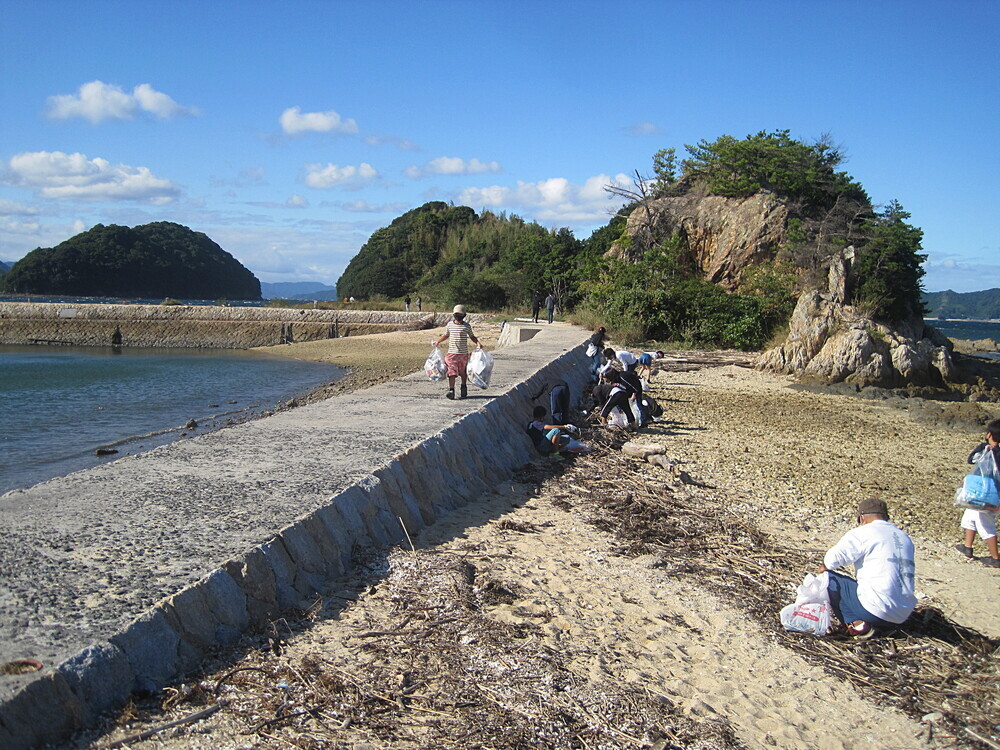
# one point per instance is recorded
(886, 278)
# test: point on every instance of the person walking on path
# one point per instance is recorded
(882, 556)
(420, 304)
(458, 333)
(407, 302)
(536, 305)
(983, 521)
(550, 305)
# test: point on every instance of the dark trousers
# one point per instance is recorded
(621, 400)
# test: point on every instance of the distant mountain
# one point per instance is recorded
(4, 267)
(161, 259)
(329, 295)
(984, 305)
(292, 289)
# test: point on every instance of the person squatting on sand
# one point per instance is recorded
(882, 555)
(983, 521)
(458, 333)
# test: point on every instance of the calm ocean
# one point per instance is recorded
(973, 330)
(59, 404)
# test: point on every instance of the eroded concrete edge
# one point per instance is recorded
(300, 563)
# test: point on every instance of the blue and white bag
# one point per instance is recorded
(979, 488)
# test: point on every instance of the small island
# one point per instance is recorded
(161, 259)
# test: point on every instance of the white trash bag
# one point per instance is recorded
(480, 368)
(810, 613)
(575, 446)
(435, 366)
(617, 418)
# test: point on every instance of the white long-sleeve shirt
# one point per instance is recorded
(882, 556)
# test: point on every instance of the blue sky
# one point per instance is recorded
(289, 131)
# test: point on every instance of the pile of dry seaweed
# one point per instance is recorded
(430, 670)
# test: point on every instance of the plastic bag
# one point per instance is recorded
(617, 418)
(645, 384)
(979, 487)
(480, 368)
(435, 366)
(591, 350)
(810, 613)
(812, 617)
(575, 446)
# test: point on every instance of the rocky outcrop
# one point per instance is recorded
(725, 236)
(831, 341)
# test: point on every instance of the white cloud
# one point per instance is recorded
(403, 144)
(555, 199)
(98, 101)
(364, 207)
(295, 122)
(960, 273)
(297, 201)
(644, 128)
(451, 165)
(53, 174)
(349, 177)
(13, 208)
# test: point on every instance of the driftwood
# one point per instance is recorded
(653, 453)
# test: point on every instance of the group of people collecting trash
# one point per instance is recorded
(880, 596)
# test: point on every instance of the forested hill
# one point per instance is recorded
(984, 305)
(161, 259)
(449, 252)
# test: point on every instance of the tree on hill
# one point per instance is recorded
(983, 305)
(161, 259)
(451, 253)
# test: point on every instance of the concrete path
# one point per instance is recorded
(123, 576)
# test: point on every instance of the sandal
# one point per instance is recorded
(860, 630)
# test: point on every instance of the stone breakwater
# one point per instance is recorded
(193, 326)
(123, 577)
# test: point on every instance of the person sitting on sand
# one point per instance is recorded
(458, 333)
(983, 521)
(882, 555)
(549, 438)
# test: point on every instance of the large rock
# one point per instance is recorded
(725, 236)
(834, 342)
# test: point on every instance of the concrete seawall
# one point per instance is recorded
(122, 577)
(214, 327)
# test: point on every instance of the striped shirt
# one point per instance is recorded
(458, 337)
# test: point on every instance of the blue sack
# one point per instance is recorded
(980, 491)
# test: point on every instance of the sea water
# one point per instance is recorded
(59, 405)
(971, 330)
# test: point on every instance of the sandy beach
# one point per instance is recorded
(545, 615)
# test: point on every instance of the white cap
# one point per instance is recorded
(459, 309)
